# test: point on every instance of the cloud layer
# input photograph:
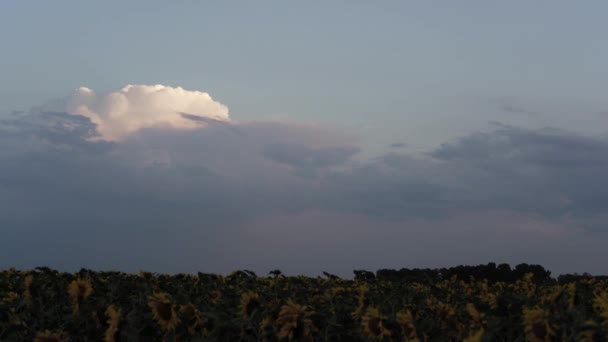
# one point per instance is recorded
(217, 196)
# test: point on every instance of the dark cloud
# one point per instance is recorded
(59, 129)
(545, 170)
(307, 161)
(209, 199)
(545, 147)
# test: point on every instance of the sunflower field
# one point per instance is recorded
(46, 305)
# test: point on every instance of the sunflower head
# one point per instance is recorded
(249, 302)
(553, 295)
(113, 322)
(571, 291)
(294, 322)
(266, 329)
(79, 290)
(475, 336)
(406, 320)
(537, 326)
(191, 316)
(362, 301)
(10, 298)
(374, 324)
(476, 316)
(49, 336)
(600, 304)
(216, 296)
(163, 311)
(27, 288)
(588, 332)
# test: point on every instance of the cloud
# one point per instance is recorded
(222, 195)
(548, 171)
(121, 113)
(307, 161)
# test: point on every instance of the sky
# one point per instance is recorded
(308, 137)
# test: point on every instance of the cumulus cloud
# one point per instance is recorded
(121, 113)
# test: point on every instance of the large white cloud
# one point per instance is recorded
(123, 112)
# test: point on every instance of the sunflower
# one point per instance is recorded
(266, 329)
(476, 337)
(476, 317)
(489, 298)
(600, 304)
(571, 291)
(113, 321)
(49, 336)
(587, 332)
(79, 290)
(249, 302)
(406, 321)
(27, 288)
(11, 297)
(216, 296)
(362, 301)
(374, 324)
(294, 322)
(537, 327)
(444, 311)
(336, 291)
(191, 317)
(553, 295)
(163, 311)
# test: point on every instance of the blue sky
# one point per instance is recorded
(388, 70)
(457, 83)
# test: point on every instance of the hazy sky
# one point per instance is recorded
(310, 137)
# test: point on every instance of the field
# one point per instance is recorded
(466, 304)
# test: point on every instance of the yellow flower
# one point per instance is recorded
(406, 321)
(266, 329)
(27, 285)
(476, 337)
(489, 298)
(476, 317)
(11, 297)
(336, 291)
(113, 321)
(215, 296)
(294, 322)
(163, 311)
(373, 324)
(571, 291)
(444, 311)
(536, 325)
(600, 304)
(79, 290)
(48, 336)
(249, 302)
(587, 332)
(362, 301)
(191, 317)
(552, 295)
